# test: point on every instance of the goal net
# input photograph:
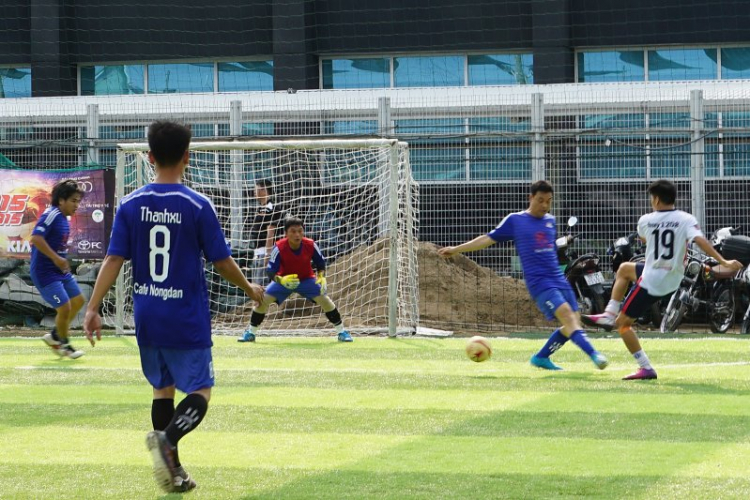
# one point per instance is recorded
(358, 201)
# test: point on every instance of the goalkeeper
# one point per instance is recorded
(290, 269)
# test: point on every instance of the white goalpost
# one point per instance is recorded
(358, 201)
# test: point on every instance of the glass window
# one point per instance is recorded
(202, 129)
(15, 82)
(615, 66)
(122, 132)
(363, 127)
(248, 129)
(614, 122)
(438, 161)
(372, 73)
(499, 157)
(175, 78)
(670, 156)
(499, 124)
(736, 155)
(435, 158)
(735, 63)
(682, 64)
(244, 76)
(735, 119)
(608, 158)
(491, 161)
(204, 167)
(260, 165)
(507, 69)
(437, 71)
(112, 79)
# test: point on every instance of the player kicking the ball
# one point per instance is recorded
(667, 232)
(166, 229)
(290, 270)
(533, 232)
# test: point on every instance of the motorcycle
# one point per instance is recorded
(745, 324)
(582, 272)
(735, 247)
(705, 284)
(631, 248)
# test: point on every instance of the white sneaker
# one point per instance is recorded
(604, 320)
(53, 344)
(69, 351)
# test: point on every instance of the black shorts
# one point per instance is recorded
(638, 300)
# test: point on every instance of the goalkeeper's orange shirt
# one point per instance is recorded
(296, 262)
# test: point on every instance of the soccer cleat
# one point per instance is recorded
(642, 374)
(53, 344)
(543, 363)
(604, 320)
(344, 336)
(162, 454)
(600, 360)
(248, 336)
(182, 481)
(68, 351)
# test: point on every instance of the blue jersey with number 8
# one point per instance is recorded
(166, 230)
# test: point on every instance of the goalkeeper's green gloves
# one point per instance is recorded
(290, 281)
(321, 281)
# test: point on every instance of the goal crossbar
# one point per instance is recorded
(273, 144)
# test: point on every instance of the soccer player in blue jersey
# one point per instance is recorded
(533, 232)
(289, 267)
(50, 271)
(166, 229)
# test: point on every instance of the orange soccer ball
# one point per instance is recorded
(478, 349)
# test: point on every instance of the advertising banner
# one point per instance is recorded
(25, 194)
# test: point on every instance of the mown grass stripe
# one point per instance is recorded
(383, 453)
(273, 419)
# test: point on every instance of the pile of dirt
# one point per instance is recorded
(454, 294)
(459, 294)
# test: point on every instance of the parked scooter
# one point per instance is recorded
(733, 247)
(582, 272)
(705, 284)
(745, 324)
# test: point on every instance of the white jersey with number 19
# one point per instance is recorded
(667, 234)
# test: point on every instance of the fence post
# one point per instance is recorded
(384, 117)
(236, 197)
(92, 133)
(537, 144)
(697, 157)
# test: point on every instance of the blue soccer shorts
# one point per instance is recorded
(187, 369)
(307, 288)
(59, 293)
(551, 299)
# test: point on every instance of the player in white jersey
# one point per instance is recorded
(667, 232)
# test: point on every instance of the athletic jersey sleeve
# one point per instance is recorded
(504, 230)
(119, 242)
(317, 258)
(47, 223)
(274, 262)
(692, 228)
(642, 222)
(211, 237)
